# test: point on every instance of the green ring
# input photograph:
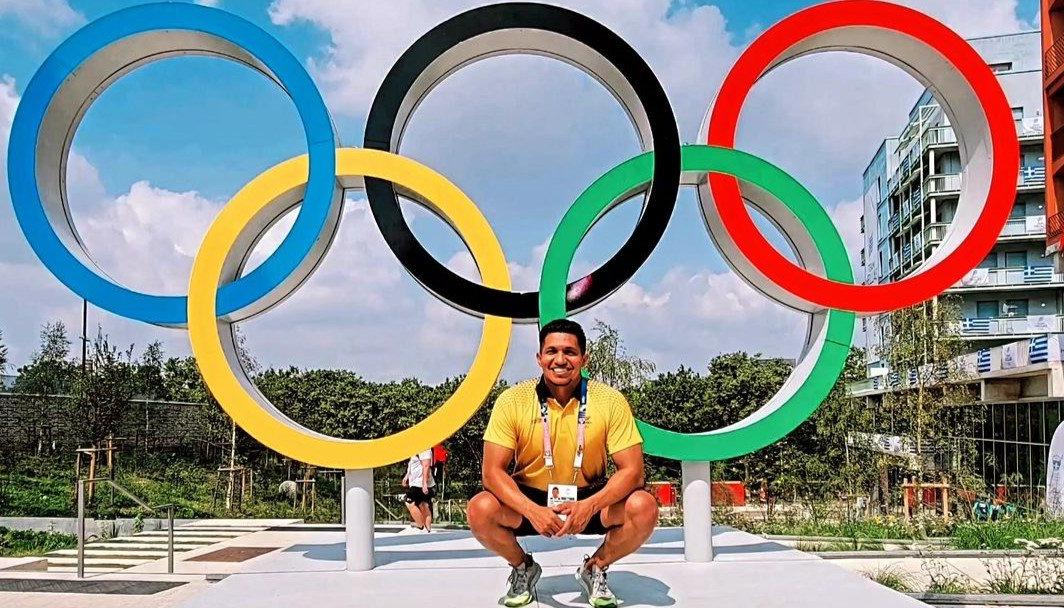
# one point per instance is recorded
(629, 178)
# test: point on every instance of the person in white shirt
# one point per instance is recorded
(419, 486)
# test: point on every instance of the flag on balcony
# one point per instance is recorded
(894, 379)
(1037, 275)
(1033, 174)
(912, 377)
(1038, 350)
(941, 371)
(982, 362)
(976, 326)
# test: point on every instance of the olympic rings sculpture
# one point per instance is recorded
(727, 180)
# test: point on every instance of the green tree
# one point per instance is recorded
(922, 346)
(610, 363)
(149, 374)
(50, 371)
(103, 391)
(3, 353)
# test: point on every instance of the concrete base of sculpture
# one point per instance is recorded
(451, 569)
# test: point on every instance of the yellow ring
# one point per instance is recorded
(230, 385)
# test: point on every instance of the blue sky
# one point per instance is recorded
(165, 146)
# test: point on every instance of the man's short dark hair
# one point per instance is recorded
(564, 326)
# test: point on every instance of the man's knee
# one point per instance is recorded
(482, 510)
(642, 509)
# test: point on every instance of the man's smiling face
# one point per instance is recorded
(561, 359)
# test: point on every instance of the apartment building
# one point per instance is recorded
(911, 192)
(1011, 304)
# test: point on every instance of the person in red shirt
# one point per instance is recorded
(439, 462)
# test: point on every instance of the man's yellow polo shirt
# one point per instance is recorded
(516, 424)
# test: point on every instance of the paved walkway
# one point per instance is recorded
(304, 566)
(450, 568)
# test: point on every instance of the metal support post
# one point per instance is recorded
(81, 528)
(697, 512)
(358, 519)
(170, 539)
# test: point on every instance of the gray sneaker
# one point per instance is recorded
(522, 581)
(593, 580)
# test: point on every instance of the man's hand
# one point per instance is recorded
(405, 484)
(425, 489)
(545, 521)
(578, 515)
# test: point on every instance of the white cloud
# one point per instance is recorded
(209, 2)
(46, 17)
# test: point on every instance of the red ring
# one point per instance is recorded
(1005, 165)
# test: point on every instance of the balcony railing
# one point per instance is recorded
(1004, 326)
(893, 223)
(1032, 175)
(1025, 127)
(938, 184)
(935, 232)
(1029, 176)
(1055, 224)
(1022, 226)
(1053, 58)
(996, 277)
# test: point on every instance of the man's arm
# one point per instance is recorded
(628, 478)
(497, 480)
(426, 471)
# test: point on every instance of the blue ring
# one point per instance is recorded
(83, 44)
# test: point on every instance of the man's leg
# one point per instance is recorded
(493, 524)
(630, 523)
(426, 515)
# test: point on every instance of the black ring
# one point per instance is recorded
(538, 29)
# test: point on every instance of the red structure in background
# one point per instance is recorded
(1053, 96)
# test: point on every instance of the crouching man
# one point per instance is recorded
(557, 431)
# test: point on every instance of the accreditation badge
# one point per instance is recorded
(558, 494)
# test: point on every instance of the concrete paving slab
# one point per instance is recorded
(451, 569)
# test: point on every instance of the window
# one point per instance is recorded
(1004, 66)
(986, 310)
(1019, 209)
(1014, 308)
(990, 261)
(1015, 259)
(1017, 113)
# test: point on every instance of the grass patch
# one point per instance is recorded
(21, 543)
(892, 578)
(1003, 534)
(45, 487)
(872, 529)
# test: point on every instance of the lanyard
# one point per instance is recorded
(581, 422)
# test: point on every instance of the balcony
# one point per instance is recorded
(1053, 58)
(1032, 176)
(934, 233)
(1056, 226)
(1006, 326)
(980, 278)
(1032, 126)
(943, 184)
(893, 223)
(1031, 225)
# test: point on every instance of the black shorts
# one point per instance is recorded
(415, 496)
(594, 525)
